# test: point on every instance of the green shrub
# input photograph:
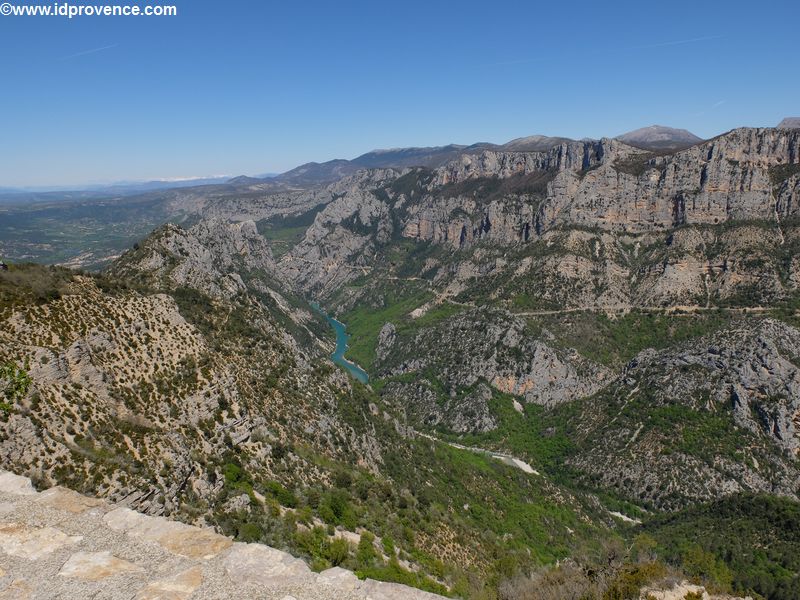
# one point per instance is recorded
(366, 555)
(338, 551)
(14, 384)
(250, 532)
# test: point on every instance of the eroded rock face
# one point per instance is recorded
(615, 187)
(337, 245)
(386, 339)
(472, 353)
(723, 179)
(208, 257)
(512, 199)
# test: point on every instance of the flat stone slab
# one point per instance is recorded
(381, 590)
(177, 538)
(18, 590)
(120, 554)
(14, 484)
(339, 578)
(94, 566)
(254, 563)
(67, 500)
(33, 543)
(179, 587)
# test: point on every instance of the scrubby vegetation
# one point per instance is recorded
(614, 340)
(14, 385)
(744, 543)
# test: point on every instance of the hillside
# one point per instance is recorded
(216, 405)
(660, 138)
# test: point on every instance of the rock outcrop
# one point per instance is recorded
(209, 257)
(711, 417)
(58, 544)
(469, 351)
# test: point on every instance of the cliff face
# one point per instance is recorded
(338, 246)
(502, 164)
(615, 187)
(513, 199)
(723, 179)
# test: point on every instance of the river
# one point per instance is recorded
(341, 346)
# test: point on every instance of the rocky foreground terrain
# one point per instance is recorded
(58, 544)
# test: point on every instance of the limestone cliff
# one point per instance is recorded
(508, 199)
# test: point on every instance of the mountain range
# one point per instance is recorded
(651, 138)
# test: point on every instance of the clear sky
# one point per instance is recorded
(248, 87)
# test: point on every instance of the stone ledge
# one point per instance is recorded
(61, 544)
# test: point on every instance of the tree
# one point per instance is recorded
(14, 385)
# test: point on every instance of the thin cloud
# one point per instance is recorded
(85, 52)
(716, 104)
(679, 42)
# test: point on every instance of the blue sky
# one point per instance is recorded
(247, 87)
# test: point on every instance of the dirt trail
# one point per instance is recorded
(504, 458)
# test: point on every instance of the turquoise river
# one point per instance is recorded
(341, 346)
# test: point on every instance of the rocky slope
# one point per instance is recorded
(465, 357)
(712, 417)
(157, 387)
(207, 257)
(124, 379)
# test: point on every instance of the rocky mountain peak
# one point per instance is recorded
(659, 137)
(534, 143)
(790, 123)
